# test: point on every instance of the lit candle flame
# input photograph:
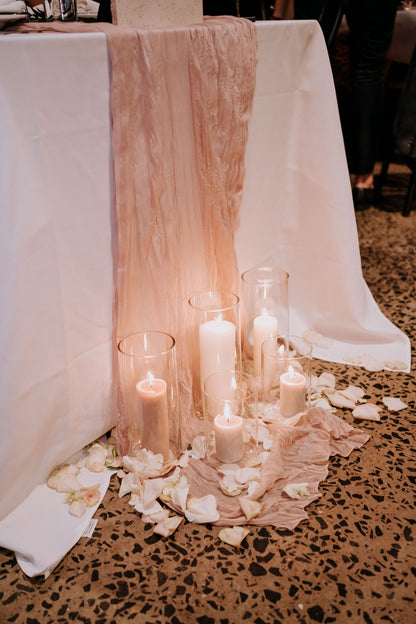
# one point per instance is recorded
(150, 378)
(264, 312)
(291, 372)
(227, 414)
(281, 350)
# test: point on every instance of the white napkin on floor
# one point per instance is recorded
(12, 7)
(41, 542)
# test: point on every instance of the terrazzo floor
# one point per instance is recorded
(353, 560)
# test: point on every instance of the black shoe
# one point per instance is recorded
(363, 197)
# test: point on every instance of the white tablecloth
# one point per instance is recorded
(55, 250)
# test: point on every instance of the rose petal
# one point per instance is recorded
(168, 526)
(233, 535)
(230, 487)
(396, 365)
(339, 400)
(354, 393)
(394, 404)
(202, 510)
(77, 508)
(296, 490)
(368, 411)
(250, 508)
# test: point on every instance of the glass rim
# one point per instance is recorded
(216, 309)
(242, 374)
(283, 275)
(142, 333)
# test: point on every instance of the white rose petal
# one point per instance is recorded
(250, 508)
(202, 510)
(396, 365)
(324, 404)
(168, 526)
(252, 487)
(394, 404)
(370, 363)
(198, 447)
(145, 463)
(233, 535)
(153, 508)
(339, 400)
(152, 489)
(95, 462)
(257, 460)
(131, 482)
(230, 487)
(368, 411)
(243, 475)
(77, 508)
(296, 490)
(156, 517)
(354, 393)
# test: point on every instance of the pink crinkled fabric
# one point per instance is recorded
(299, 454)
(181, 100)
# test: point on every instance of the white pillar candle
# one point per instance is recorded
(216, 347)
(153, 415)
(229, 443)
(264, 326)
(292, 393)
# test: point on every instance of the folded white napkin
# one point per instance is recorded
(41, 530)
(12, 7)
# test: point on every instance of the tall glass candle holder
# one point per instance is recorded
(265, 312)
(286, 374)
(215, 337)
(149, 392)
(230, 417)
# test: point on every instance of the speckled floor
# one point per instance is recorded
(353, 560)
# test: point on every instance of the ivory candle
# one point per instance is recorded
(292, 393)
(264, 326)
(229, 443)
(216, 347)
(153, 415)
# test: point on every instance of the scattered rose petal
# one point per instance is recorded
(60, 473)
(77, 508)
(95, 462)
(325, 404)
(153, 508)
(168, 526)
(267, 443)
(370, 363)
(367, 411)
(354, 393)
(296, 490)
(152, 489)
(184, 460)
(68, 483)
(394, 404)
(396, 365)
(131, 482)
(202, 510)
(243, 475)
(156, 517)
(198, 448)
(252, 487)
(230, 487)
(144, 462)
(233, 535)
(250, 508)
(339, 400)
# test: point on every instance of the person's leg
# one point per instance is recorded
(371, 23)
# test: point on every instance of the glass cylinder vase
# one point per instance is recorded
(215, 337)
(265, 312)
(149, 392)
(230, 417)
(286, 371)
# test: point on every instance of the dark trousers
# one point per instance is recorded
(371, 25)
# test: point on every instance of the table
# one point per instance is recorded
(56, 180)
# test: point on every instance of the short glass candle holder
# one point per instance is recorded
(286, 374)
(149, 393)
(265, 312)
(230, 417)
(214, 326)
